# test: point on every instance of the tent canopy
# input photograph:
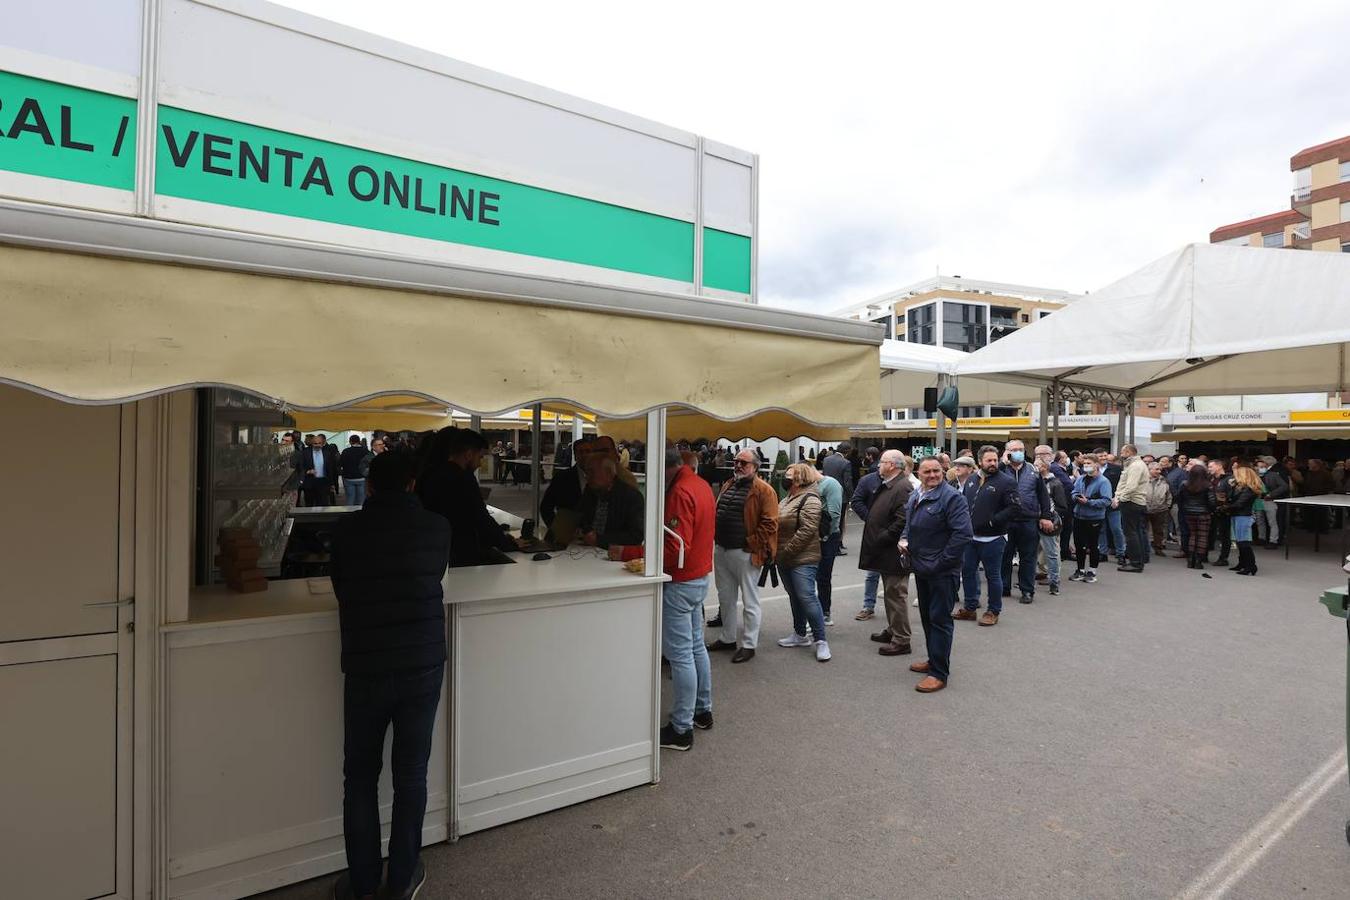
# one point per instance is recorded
(98, 329)
(1205, 319)
(907, 368)
(690, 425)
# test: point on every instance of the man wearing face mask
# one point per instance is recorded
(1277, 487)
(1033, 518)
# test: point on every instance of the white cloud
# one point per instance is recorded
(1054, 144)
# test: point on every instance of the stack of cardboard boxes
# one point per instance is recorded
(238, 561)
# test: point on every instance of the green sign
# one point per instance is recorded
(70, 133)
(726, 260)
(229, 163)
(89, 137)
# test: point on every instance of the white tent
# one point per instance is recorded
(1206, 319)
(906, 369)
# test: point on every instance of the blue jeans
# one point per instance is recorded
(356, 491)
(800, 584)
(825, 572)
(990, 554)
(1111, 528)
(870, 590)
(937, 595)
(371, 703)
(1050, 547)
(682, 644)
(1023, 540)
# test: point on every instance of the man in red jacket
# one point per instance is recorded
(691, 513)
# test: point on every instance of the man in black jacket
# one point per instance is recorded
(320, 464)
(447, 486)
(355, 463)
(880, 552)
(388, 560)
(1277, 487)
(992, 500)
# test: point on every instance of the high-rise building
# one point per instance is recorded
(1318, 217)
(959, 314)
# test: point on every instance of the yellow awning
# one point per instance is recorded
(689, 425)
(394, 413)
(1313, 434)
(1213, 434)
(106, 329)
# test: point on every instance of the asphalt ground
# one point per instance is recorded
(1118, 740)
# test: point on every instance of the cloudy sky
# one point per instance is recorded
(1052, 144)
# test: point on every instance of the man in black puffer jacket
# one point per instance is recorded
(388, 561)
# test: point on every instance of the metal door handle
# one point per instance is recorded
(110, 603)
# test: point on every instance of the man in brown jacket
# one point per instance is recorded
(880, 551)
(745, 538)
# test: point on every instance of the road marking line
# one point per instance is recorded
(1219, 878)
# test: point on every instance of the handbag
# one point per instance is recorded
(770, 571)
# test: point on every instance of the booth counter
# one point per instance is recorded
(551, 698)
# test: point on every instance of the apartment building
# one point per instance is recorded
(1318, 217)
(959, 314)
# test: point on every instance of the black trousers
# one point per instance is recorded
(1133, 517)
(1068, 534)
(371, 703)
(1086, 537)
(318, 491)
(1221, 535)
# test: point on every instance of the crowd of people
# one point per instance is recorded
(958, 527)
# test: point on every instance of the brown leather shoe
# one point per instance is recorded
(894, 648)
(920, 666)
(883, 636)
(965, 615)
(929, 685)
(988, 618)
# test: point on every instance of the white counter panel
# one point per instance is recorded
(254, 727)
(555, 701)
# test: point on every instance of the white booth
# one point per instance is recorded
(176, 278)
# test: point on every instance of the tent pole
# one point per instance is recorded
(476, 423)
(1043, 418)
(1121, 439)
(1132, 416)
(938, 419)
(536, 458)
(1057, 402)
(952, 452)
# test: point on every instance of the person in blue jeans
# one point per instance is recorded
(992, 498)
(798, 559)
(1031, 520)
(687, 557)
(387, 562)
(937, 532)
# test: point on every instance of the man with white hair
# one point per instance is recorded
(880, 551)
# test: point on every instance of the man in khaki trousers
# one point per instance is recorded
(880, 551)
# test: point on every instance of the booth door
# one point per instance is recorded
(65, 651)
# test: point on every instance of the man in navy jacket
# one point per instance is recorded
(937, 530)
(388, 560)
(1033, 517)
(992, 497)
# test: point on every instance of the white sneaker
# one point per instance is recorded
(915, 601)
(829, 621)
(795, 640)
(822, 651)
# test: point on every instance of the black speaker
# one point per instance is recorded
(930, 399)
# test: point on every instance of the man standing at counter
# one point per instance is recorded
(447, 486)
(690, 513)
(388, 560)
(611, 511)
(320, 463)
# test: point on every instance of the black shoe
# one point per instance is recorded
(704, 719)
(1054, 590)
(674, 740)
(342, 888)
(1026, 598)
(1221, 561)
(883, 636)
(745, 654)
(1133, 570)
(1235, 568)
(1007, 593)
(715, 622)
(419, 878)
(720, 644)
